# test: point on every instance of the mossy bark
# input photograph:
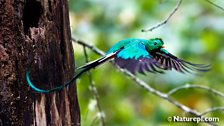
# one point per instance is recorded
(36, 33)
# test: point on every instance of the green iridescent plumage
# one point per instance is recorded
(136, 55)
(134, 48)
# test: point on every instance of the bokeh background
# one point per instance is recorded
(194, 33)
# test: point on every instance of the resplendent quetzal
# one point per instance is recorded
(135, 55)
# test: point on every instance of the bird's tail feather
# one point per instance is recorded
(82, 69)
(97, 62)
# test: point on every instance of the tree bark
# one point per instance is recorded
(36, 33)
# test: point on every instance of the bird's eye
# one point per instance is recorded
(155, 43)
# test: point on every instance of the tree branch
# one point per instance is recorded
(212, 110)
(214, 4)
(94, 91)
(164, 21)
(164, 96)
(94, 49)
(173, 12)
(188, 86)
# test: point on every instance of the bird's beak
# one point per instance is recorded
(163, 46)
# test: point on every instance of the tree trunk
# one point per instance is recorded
(36, 32)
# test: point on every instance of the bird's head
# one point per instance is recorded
(154, 44)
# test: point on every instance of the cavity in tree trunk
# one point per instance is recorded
(36, 32)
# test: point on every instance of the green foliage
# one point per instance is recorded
(194, 33)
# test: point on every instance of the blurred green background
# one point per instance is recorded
(195, 33)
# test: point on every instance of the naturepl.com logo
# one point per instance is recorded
(192, 119)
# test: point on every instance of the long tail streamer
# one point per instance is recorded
(82, 69)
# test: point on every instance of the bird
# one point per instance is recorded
(136, 56)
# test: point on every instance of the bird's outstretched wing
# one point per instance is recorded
(135, 58)
(168, 61)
